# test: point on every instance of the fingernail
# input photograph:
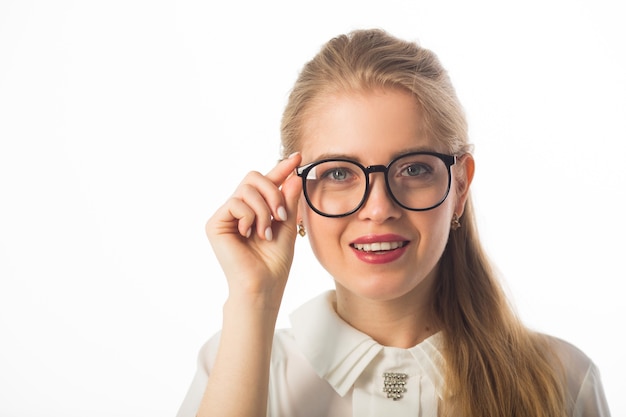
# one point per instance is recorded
(249, 232)
(293, 154)
(268, 234)
(282, 213)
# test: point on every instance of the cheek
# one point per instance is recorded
(318, 228)
(324, 234)
(435, 227)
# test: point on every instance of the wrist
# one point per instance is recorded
(265, 299)
(261, 306)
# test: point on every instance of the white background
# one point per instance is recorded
(124, 124)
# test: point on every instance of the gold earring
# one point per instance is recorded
(455, 223)
(301, 230)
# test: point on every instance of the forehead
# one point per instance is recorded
(370, 126)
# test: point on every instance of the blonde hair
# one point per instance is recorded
(495, 366)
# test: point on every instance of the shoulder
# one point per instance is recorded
(575, 364)
(584, 385)
(284, 342)
(573, 359)
(287, 355)
(208, 351)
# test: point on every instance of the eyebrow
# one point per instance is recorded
(354, 158)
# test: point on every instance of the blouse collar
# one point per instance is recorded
(350, 351)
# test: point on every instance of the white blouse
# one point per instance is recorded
(324, 367)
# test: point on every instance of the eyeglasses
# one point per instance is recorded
(416, 181)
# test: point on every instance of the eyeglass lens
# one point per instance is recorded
(416, 182)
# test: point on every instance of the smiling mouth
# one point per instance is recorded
(378, 246)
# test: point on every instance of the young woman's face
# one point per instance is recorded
(372, 128)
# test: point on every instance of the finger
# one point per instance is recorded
(233, 215)
(265, 197)
(244, 216)
(257, 200)
(284, 168)
(274, 179)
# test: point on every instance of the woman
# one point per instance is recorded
(418, 325)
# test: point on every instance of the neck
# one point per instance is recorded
(402, 322)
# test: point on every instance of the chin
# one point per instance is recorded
(379, 288)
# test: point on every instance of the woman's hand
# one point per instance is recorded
(253, 234)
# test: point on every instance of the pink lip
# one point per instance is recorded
(380, 257)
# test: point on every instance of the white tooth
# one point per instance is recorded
(378, 246)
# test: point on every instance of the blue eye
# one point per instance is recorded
(337, 174)
(415, 170)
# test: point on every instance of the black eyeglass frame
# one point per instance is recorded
(303, 172)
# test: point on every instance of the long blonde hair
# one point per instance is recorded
(495, 366)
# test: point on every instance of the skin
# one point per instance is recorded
(253, 236)
(255, 254)
(373, 128)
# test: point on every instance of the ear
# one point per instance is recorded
(464, 174)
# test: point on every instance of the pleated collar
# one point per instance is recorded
(340, 353)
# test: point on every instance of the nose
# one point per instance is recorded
(379, 206)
